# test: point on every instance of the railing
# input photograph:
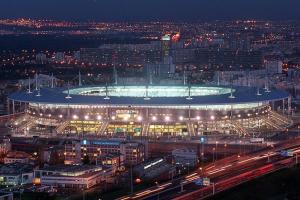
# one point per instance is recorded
(10, 116)
(27, 125)
(60, 128)
(239, 128)
(191, 128)
(272, 124)
(279, 117)
(145, 129)
(102, 128)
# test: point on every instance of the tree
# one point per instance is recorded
(86, 160)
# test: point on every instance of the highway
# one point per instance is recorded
(224, 174)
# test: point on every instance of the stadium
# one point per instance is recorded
(149, 111)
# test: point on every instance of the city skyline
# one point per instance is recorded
(135, 10)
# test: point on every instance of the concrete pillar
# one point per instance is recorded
(68, 111)
(107, 114)
(13, 107)
(147, 114)
(283, 106)
(8, 106)
(289, 106)
(20, 108)
(189, 121)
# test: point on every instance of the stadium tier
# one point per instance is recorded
(149, 111)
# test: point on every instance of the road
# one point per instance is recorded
(234, 169)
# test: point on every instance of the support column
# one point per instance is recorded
(68, 111)
(107, 114)
(147, 121)
(8, 106)
(283, 106)
(20, 108)
(147, 114)
(25, 107)
(13, 106)
(189, 121)
(289, 106)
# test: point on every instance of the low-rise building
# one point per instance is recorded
(130, 152)
(157, 169)
(5, 146)
(17, 157)
(185, 157)
(73, 176)
(112, 161)
(6, 196)
(16, 174)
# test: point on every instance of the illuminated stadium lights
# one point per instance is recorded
(86, 117)
(39, 93)
(75, 117)
(258, 92)
(167, 118)
(147, 98)
(154, 118)
(152, 91)
(99, 117)
(139, 118)
(106, 98)
(231, 96)
(212, 117)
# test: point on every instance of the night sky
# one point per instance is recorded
(144, 10)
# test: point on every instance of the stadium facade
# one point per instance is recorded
(149, 111)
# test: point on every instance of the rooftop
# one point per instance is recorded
(157, 96)
(15, 168)
(71, 168)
